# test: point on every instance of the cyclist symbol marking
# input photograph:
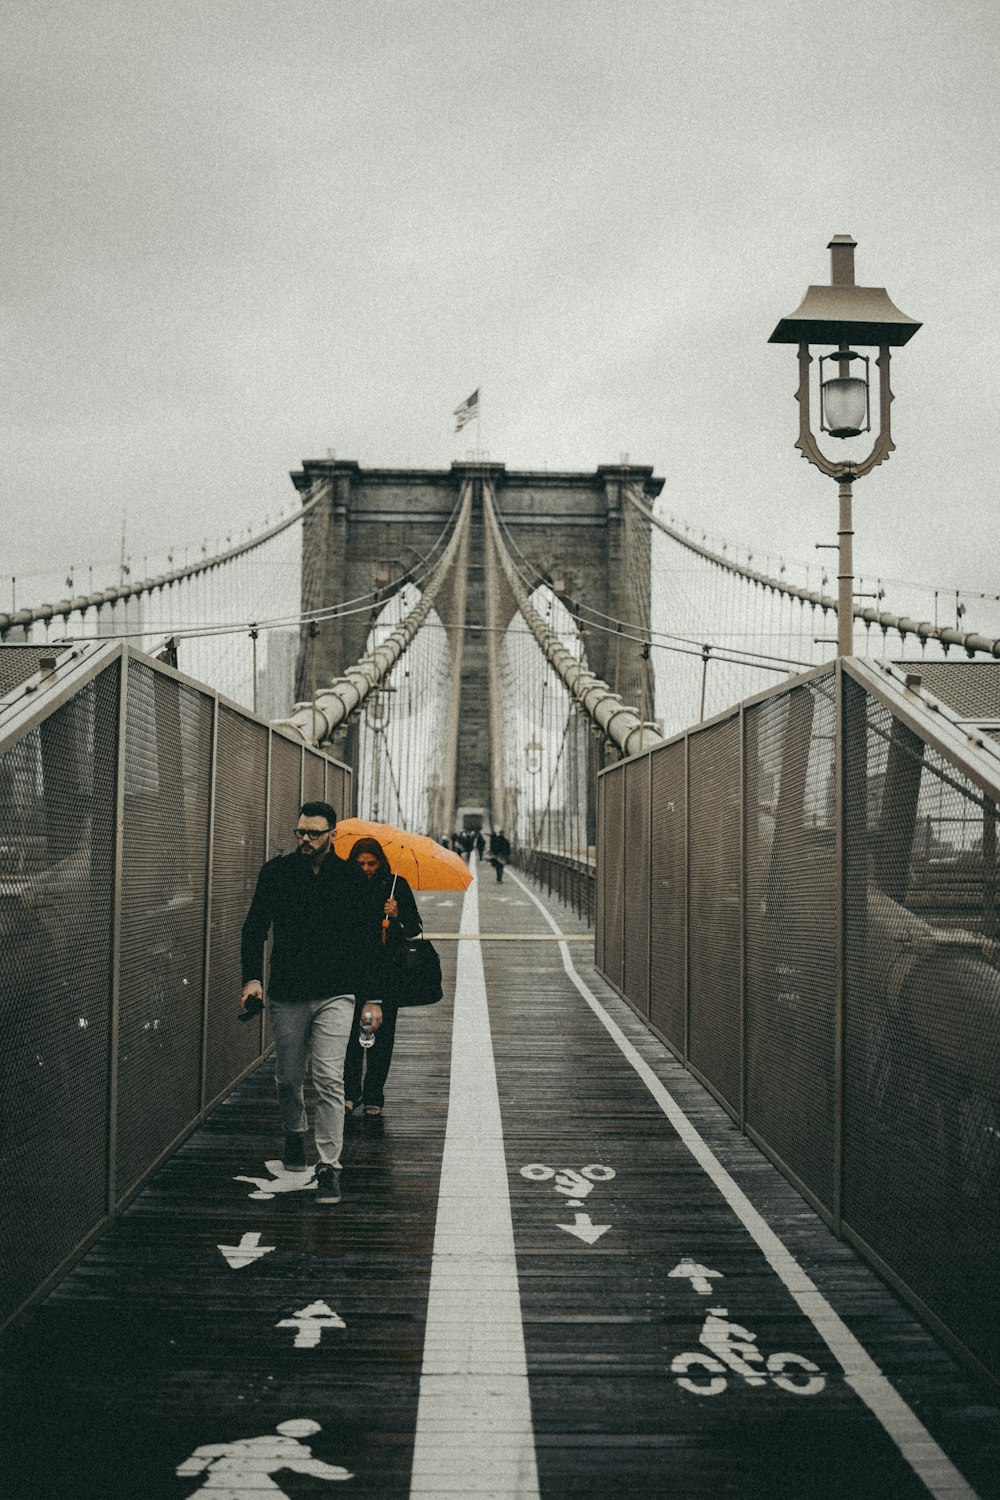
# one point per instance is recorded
(733, 1351)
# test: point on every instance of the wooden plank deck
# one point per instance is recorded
(154, 1346)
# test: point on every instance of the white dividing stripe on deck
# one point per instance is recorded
(933, 1466)
(474, 1434)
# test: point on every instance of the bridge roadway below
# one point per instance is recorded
(558, 1270)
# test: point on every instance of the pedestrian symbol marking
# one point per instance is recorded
(697, 1275)
(243, 1467)
(280, 1181)
(310, 1322)
(246, 1252)
(585, 1229)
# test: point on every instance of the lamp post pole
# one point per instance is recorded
(845, 574)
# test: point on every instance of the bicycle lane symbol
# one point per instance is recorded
(731, 1350)
(575, 1187)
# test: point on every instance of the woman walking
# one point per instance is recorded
(394, 913)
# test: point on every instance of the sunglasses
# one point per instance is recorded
(311, 833)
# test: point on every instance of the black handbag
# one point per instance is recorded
(416, 974)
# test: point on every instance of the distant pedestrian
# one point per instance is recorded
(480, 845)
(499, 851)
(394, 916)
(326, 956)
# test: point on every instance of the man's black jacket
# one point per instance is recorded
(325, 942)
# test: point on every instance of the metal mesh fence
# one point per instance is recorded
(714, 948)
(636, 913)
(824, 947)
(103, 1064)
(604, 879)
(18, 663)
(790, 939)
(668, 896)
(238, 851)
(922, 1025)
(57, 822)
(313, 778)
(168, 744)
(614, 873)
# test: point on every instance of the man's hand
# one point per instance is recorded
(371, 1015)
(252, 987)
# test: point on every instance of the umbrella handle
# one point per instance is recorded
(385, 929)
(395, 877)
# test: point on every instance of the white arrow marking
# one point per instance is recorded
(246, 1252)
(310, 1322)
(584, 1229)
(697, 1275)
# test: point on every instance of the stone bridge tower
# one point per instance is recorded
(373, 525)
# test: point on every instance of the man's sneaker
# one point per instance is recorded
(294, 1156)
(327, 1183)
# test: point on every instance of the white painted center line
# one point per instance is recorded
(861, 1373)
(474, 1433)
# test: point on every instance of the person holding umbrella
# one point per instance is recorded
(393, 911)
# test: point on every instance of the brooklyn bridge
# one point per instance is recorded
(690, 1184)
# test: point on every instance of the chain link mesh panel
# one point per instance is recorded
(613, 856)
(338, 789)
(238, 849)
(600, 905)
(314, 778)
(286, 781)
(922, 1023)
(636, 884)
(18, 663)
(791, 931)
(58, 799)
(168, 750)
(714, 793)
(668, 896)
(970, 688)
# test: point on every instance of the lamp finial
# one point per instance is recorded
(842, 248)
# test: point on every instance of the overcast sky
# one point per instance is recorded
(237, 234)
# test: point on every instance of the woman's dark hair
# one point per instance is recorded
(371, 846)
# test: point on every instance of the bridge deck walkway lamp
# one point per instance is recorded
(843, 314)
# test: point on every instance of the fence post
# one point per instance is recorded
(742, 904)
(114, 976)
(687, 897)
(840, 941)
(207, 928)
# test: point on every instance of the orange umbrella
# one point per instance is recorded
(419, 859)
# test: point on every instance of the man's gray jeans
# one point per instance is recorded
(316, 1031)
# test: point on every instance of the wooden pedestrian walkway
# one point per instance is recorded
(558, 1270)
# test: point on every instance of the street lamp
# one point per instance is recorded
(843, 315)
(533, 763)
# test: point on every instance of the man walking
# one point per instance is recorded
(499, 851)
(325, 956)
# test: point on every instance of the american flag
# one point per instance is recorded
(468, 409)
